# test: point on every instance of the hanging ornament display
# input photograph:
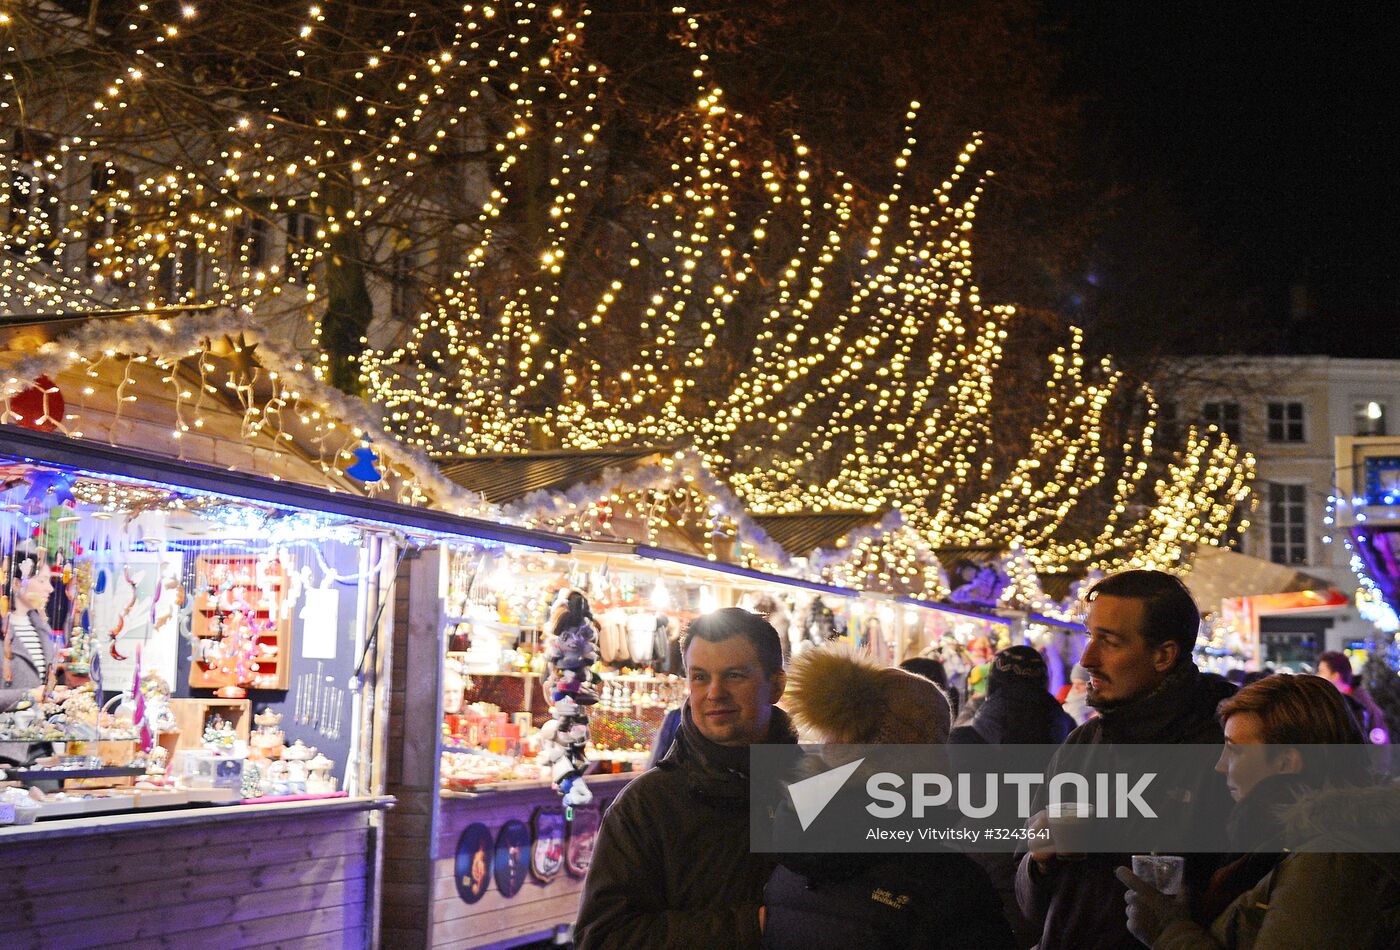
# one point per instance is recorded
(48, 489)
(120, 625)
(572, 686)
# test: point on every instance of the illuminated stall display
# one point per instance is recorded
(180, 602)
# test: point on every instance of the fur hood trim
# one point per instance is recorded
(1342, 816)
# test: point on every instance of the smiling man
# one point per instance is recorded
(672, 865)
(1142, 629)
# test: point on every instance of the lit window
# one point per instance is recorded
(1370, 417)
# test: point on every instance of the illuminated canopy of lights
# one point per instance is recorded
(816, 360)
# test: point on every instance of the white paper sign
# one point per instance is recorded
(319, 617)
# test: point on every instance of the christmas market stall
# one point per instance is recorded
(194, 712)
(537, 724)
(217, 639)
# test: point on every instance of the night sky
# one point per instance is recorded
(1274, 127)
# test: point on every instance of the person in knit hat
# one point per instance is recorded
(910, 899)
(1019, 709)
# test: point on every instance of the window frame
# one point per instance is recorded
(1296, 538)
(1359, 405)
(1284, 423)
(1232, 428)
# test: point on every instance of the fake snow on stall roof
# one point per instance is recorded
(889, 555)
(668, 499)
(214, 388)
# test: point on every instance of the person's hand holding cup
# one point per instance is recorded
(1061, 830)
(1151, 911)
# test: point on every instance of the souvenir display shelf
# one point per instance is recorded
(239, 609)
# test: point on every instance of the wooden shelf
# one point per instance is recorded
(219, 615)
(191, 716)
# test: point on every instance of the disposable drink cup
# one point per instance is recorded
(1069, 826)
(1165, 872)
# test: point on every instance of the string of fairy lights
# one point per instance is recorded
(815, 361)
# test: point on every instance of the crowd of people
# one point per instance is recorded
(673, 865)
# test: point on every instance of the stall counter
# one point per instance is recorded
(226, 876)
(497, 916)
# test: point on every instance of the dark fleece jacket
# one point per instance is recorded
(672, 865)
(1079, 904)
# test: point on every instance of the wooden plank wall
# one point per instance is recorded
(412, 760)
(299, 881)
(495, 919)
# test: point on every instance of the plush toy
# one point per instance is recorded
(571, 684)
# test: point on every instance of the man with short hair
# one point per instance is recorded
(672, 865)
(1142, 629)
(1335, 667)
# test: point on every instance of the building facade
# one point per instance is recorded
(1288, 411)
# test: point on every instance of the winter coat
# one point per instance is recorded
(1080, 904)
(1016, 714)
(25, 675)
(883, 902)
(1313, 899)
(1256, 838)
(671, 864)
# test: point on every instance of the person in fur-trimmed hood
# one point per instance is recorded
(1312, 898)
(1295, 761)
(914, 900)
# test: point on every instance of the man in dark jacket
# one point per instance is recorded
(672, 865)
(1142, 629)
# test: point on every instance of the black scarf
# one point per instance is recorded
(720, 773)
(1184, 698)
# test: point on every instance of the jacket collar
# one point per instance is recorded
(1346, 816)
(1184, 698)
(715, 772)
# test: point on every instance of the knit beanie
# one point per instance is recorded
(1018, 664)
(842, 696)
(1078, 674)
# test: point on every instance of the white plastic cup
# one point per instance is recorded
(1165, 872)
(1069, 826)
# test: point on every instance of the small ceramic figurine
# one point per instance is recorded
(268, 741)
(219, 735)
(319, 780)
(298, 752)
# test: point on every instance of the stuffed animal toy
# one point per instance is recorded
(571, 684)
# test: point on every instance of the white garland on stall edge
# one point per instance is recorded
(181, 338)
(545, 505)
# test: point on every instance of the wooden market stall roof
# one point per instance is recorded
(506, 478)
(801, 534)
(207, 386)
